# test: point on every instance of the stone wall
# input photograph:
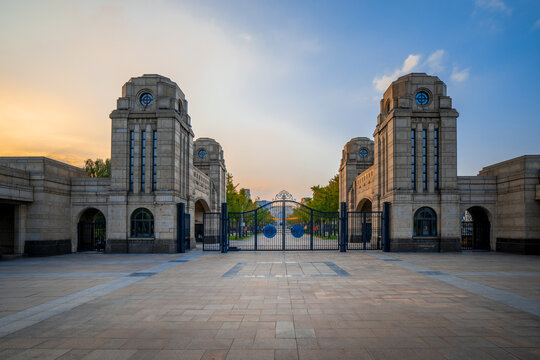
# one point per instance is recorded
(518, 211)
(47, 220)
(15, 185)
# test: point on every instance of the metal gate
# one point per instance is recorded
(91, 236)
(284, 225)
(467, 234)
(364, 230)
(212, 231)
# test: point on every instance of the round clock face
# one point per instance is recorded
(363, 152)
(422, 98)
(202, 154)
(146, 99)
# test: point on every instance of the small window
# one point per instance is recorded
(387, 106)
(142, 223)
(422, 98)
(363, 152)
(146, 99)
(425, 222)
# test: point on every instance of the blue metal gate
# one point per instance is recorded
(283, 225)
(286, 225)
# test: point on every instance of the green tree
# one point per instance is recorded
(238, 202)
(98, 168)
(325, 198)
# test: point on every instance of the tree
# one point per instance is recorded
(325, 198)
(237, 200)
(98, 168)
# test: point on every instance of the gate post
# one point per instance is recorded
(364, 229)
(311, 227)
(180, 227)
(224, 228)
(256, 228)
(386, 227)
(283, 220)
(343, 233)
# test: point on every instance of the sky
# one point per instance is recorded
(281, 85)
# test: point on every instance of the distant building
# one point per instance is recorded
(412, 164)
(247, 192)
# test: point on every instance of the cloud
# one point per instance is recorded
(246, 37)
(536, 24)
(434, 61)
(382, 83)
(494, 6)
(459, 75)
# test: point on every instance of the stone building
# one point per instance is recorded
(412, 164)
(48, 207)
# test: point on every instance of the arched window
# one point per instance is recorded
(425, 222)
(142, 223)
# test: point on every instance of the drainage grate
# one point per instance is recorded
(179, 260)
(391, 259)
(142, 274)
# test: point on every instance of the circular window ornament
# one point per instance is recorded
(202, 154)
(422, 98)
(269, 231)
(363, 153)
(146, 99)
(297, 231)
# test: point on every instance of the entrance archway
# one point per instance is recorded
(361, 225)
(91, 230)
(200, 208)
(7, 229)
(364, 205)
(475, 229)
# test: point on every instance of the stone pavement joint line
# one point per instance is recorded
(234, 270)
(62, 275)
(82, 261)
(31, 316)
(338, 271)
(518, 302)
(142, 274)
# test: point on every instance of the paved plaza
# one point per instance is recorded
(271, 305)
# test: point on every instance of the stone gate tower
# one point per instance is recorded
(415, 165)
(357, 157)
(151, 160)
(208, 158)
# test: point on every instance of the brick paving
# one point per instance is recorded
(273, 305)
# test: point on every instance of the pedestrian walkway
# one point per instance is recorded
(276, 305)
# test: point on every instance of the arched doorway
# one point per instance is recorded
(361, 225)
(200, 208)
(7, 229)
(91, 230)
(364, 205)
(475, 229)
